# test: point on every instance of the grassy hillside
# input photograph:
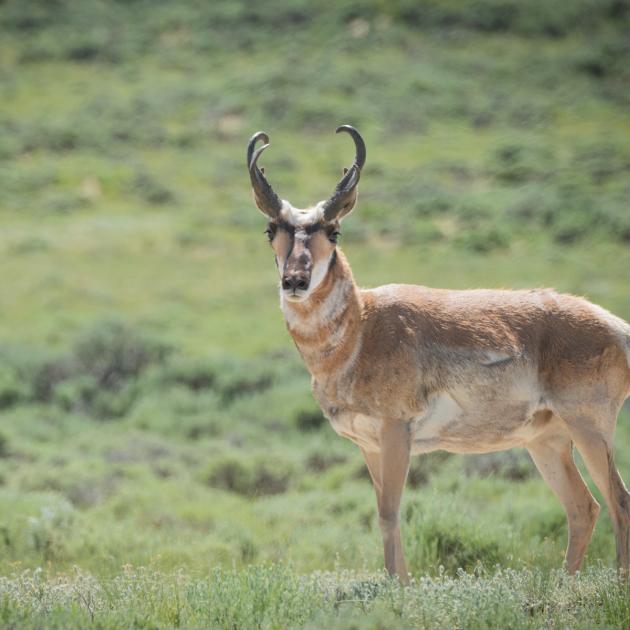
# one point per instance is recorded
(156, 427)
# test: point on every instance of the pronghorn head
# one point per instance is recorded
(304, 241)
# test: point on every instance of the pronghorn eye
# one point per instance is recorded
(332, 236)
(270, 232)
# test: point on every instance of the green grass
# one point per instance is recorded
(162, 462)
(277, 597)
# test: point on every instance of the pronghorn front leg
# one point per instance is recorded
(373, 463)
(394, 465)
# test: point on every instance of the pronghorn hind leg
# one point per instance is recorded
(596, 450)
(395, 452)
(553, 456)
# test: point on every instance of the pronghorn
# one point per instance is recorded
(404, 369)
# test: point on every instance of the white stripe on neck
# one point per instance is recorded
(322, 313)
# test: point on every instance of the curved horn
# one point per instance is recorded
(345, 194)
(266, 199)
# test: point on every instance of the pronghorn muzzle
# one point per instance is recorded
(296, 275)
(294, 282)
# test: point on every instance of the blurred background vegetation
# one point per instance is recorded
(152, 407)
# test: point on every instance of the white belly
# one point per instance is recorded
(467, 426)
(476, 426)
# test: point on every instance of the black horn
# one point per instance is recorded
(266, 199)
(345, 194)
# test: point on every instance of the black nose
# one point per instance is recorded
(295, 282)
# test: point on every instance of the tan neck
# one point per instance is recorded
(326, 326)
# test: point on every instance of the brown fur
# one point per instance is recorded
(404, 346)
(405, 369)
(559, 334)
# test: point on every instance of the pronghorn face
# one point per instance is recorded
(304, 245)
(304, 241)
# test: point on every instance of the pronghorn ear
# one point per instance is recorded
(348, 203)
(264, 196)
(345, 195)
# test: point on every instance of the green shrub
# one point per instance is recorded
(572, 223)
(250, 475)
(309, 419)
(198, 374)
(514, 464)
(423, 467)
(178, 412)
(230, 377)
(84, 395)
(61, 202)
(113, 352)
(619, 221)
(4, 445)
(76, 394)
(605, 57)
(236, 379)
(421, 233)
(44, 372)
(319, 461)
(48, 532)
(152, 190)
(535, 206)
(516, 164)
(483, 239)
(600, 161)
(13, 389)
(98, 377)
(549, 523)
(535, 17)
(446, 537)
